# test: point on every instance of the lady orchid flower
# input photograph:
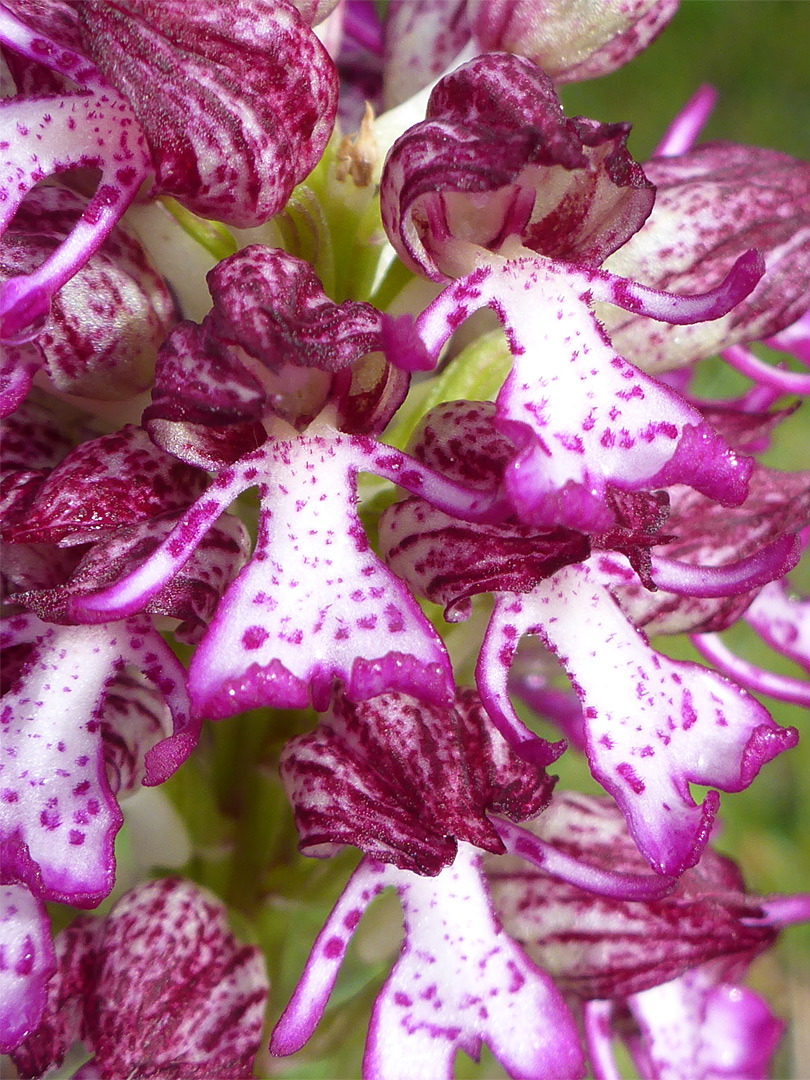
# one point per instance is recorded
(499, 326)
(687, 724)
(669, 995)
(264, 392)
(358, 778)
(116, 86)
(558, 196)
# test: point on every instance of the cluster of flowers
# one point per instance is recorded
(556, 459)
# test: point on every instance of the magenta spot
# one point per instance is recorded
(628, 774)
(9, 796)
(352, 919)
(254, 637)
(76, 837)
(402, 999)
(49, 819)
(688, 711)
(333, 948)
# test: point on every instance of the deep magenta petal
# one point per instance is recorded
(105, 483)
(706, 534)
(236, 99)
(273, 306)
(480, 169)
(404, 781)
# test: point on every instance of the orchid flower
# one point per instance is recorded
(457, 983)
(458, 351)
(315, 603)
(686, 725)
(117, 90)
(670, 996)
(557, 234)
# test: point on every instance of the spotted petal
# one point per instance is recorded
(421, 38)
(315, 603)
(103, 484)
(653, 725)
(26, 963)
(581, 416)
(93, 128)
(58, 816)
(160, 987)
(459, 982)
(61, 1022)
(107, 321)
